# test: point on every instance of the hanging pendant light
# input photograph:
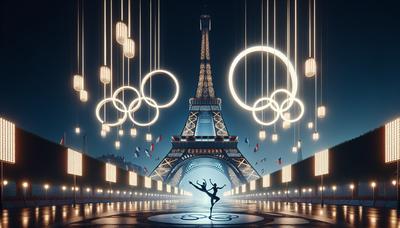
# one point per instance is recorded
(274, 137)
(117, 144)
(321, 112)
(103, 133)
(83, 95)
(262, 134)
(310, 125)
(294, 149)
(310, 67)
(121, 132)
(105, 74)
(105, 127)
(129, 48)
(121, 32)
(133, 132)
(315, 136)
(149, 137)
(78, 82)
(77, 130)
(299, 144)
(286, 124)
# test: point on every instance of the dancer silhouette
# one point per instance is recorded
(213, 196)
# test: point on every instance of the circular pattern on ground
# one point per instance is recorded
(203, 219)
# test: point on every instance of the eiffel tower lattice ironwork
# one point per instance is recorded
(204, 134)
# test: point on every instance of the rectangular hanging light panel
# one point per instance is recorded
(74, 163)
(287, 173)
(7, 141)
(321, 160)
(266, 181)
(111, 173)
(159, 185)
(392, 141)
(168, 188)
(252, 185)
(147, 182)
(132, 178)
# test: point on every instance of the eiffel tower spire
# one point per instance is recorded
(205, 88)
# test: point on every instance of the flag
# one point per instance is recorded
(146, 151)
(136, 154)
(256, 148)
(145, 169)
(158, 139)
(279, 161)
(62, 141)
(152, 147)
(246, 140)
(137, 149)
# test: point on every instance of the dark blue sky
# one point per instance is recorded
(358, 40)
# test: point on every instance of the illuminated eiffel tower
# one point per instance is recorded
(204, 134)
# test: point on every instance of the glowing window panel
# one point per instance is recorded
(176, 190)
(159, 185)
(232, 191)
(132, 178)
(392, 141)
(74, 163)
(7, 141)
(266, 181)
(182, 191)
(321, 162)
(287, 174)
(111, 173)
(243, 188)
(168, 188)
(147, 182)
(252, 185)
(237, 190)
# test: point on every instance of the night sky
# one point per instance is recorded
(358, 42)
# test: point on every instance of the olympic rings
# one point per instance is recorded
(271, 100)
(128, 110)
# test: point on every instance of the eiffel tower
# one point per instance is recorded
(205, 134)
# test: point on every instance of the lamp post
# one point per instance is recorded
(352, 191)
(46, 188)
(25, 185)
(373, 185)
(334, 190)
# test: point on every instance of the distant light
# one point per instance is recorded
(25, 184)
(298, 144)
(159, 185)
(133, 132)
(266, 181)
(334, 187)
(149, 137)
(111, 173)
(294, 149)
(78, 82)
(168, 188)
(351, 186)
(394, 182)
(77, 130)
(252, 185)
(64, 188)
(310, 125)
(87, 189)
(103, 133)
(321, 112)
(373, 184)
(105, 74)
(120, 132)
(132, 178)
(310, 190)
(5, 182)
(147, 182)
(129, 48)
(274, 137)
(121, 32)
(310, 67)
(286, 124)
(303, 190)
(243, 188)
(296, 190)
(315, 136)
(262, 134)
(46, 186)
(117, 144)
(83, 95)
(105, 127)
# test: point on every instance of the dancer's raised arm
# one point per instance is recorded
(221, 187)
(211, 182)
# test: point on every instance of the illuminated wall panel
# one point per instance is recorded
(266, 181)
(237, 190)
(159, 185)
(74, 163)
(175, 190)
(111, 173)
(147, 182)
(252, 185)
(168, 188)
(243, 188)
(7, 141)
(287, 174)
(132, 178)
(321, 160)
(392, 141)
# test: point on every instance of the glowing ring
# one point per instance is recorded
(271, 103)
(120, 120)
(301, 110)
(266, 49)
(290, 97)
(151, 74)
(148, 100)
(118, 91)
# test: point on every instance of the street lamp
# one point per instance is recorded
(25, 185)
(334, 190)
(373, 185)
(46, 188)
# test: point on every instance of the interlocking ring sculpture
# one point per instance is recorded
(271, 102)
(129, 110)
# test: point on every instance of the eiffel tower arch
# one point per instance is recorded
(204, 135)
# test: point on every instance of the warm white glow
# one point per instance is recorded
(373, 184)
(88, 189)
(252, 185)
(129, 48)
(274, 137)
(111, 173)
(103, 133)
(149, 137)
(133, 132)
(310, 125)
(237, 190)
(78, 82)
(25, 184)
(286, 173)
(83, 95)
(74, 162)
(132, 178)
(315, 136)
(105, 128)
(64, 188)
(147, 182)
(159, 186)
(394, 182)
(310, 67)
(243, 188)
(266, 181)
(7, 141)
(351, 186)
(77, 130)
(105, 74)
(294, 149)
(5, 182)
(117, 144)
(120, 132)
(46, 186)
(168, 188)
(176, 190)
(121, 32)
(392, 141)
(262, 134)
(321, 163)
(334, 188)
(286, 124)
(321, 112)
